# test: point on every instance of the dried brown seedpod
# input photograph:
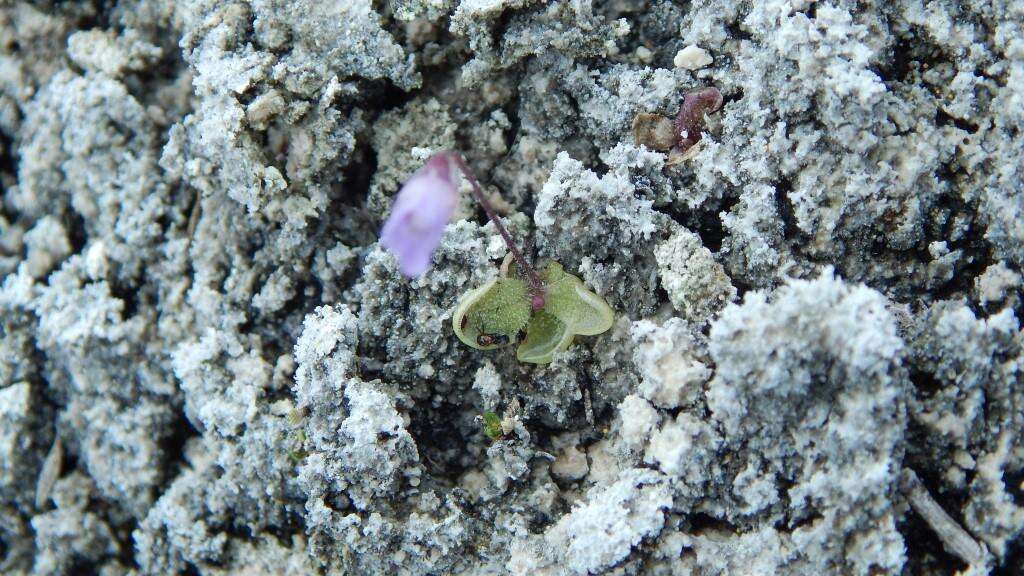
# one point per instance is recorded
(680, 137)
(654, 131)
(689, 122)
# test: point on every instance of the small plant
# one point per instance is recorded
(498, 314)
(298, 452)
(492, 426)
(541, 312)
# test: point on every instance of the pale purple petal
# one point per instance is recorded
(419, 215)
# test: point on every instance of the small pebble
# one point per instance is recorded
(644, 55)
(692, 58)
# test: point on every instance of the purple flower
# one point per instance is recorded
(422, 209)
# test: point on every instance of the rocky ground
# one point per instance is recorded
(208, 365)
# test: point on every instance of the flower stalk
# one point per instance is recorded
(536, 286)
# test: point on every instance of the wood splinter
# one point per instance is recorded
(954, 538)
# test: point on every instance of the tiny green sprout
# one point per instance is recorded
(499, 314)
(298, 451)
(492, 426)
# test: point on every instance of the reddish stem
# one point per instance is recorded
(536, 286)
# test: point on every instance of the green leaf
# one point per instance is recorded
(545, 335)
(492, 315)
(492, 425)
(583, 312)
(499, 313)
